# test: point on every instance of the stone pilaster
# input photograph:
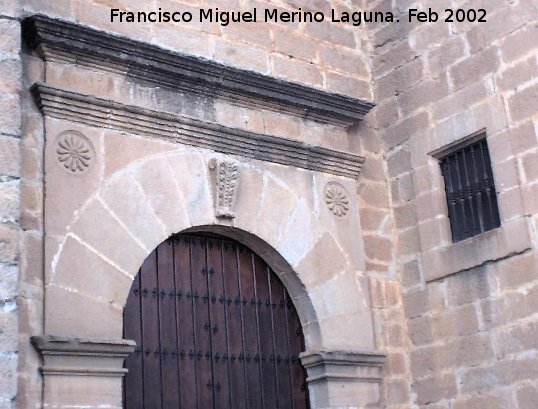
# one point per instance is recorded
(82, 371)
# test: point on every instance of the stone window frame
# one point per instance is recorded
(458, 146)
(440, 256)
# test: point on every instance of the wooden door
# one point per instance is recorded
(215, 328)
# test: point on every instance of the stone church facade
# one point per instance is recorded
(320, 147)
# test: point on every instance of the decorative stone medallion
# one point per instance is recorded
(74, 152)
(336, 198)
(227, 179)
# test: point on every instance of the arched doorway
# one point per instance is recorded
(214, 327)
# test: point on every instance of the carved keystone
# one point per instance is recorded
(227, 179)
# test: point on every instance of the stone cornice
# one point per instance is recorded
(342, 366)
(97, 112)
(58, 39)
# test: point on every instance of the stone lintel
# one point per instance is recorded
(66, 41)
(342, 366)
(103, 113)
(82, 356)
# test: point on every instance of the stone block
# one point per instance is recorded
(344, 84)
(493, 401)
(9, 236)
(9, 275)
(408, 242)
(519, 43)
(397, 80)
(457, 102)
(67, 189)
(296, 70)
(510, 204)
(115, 243)
(9, 156)
(10, 121)
(194, 191)
(397, 391)
(300, 233)
(469, 286)
(522, 105)
(527, 396)
(70, 313)
(124, 197)
(8, 330)
(10, 75)
(241, 55)
(523, 137)
(434, 233)
(192, 42)
(515, 77)
(122, 149)
(422, 301)
(375, 195)
(8, 376)
(475, 67)
(400, 53)
(398, 161)
(447, 54)
(294, 44)
(515, 272)
(456, 322)
(9, 201)
(523, 337)
(512, 237)
(410, 274)
(94, 276)
(422, 94)
(159, 187)
(378, 248)
(435, 388)
(401, 132)
(332, 33)
(507, 19)
(501, 374)
(10, 37)
(346, 62)
(258, 34)
(373, 219)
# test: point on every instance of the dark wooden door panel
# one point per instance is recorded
(215, 329)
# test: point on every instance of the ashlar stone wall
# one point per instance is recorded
(11, 184)
(466, 336)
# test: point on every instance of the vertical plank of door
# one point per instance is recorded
(167, 325)
(265, 333)
(295, 332)
(217, 305)
(250, 342)
(278, 297)
(133, 391)
(234, 328)
(150, 332)
(202, 323)
(185, 323)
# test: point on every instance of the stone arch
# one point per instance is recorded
(279, 213)
(141, 205)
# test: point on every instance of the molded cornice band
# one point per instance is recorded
(72, 42)
(97, 112)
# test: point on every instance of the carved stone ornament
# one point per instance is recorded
(336, 198)
(74, 152)
(227, 179)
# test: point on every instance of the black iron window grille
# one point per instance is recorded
(470, 189)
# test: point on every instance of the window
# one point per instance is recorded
(470, 189)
